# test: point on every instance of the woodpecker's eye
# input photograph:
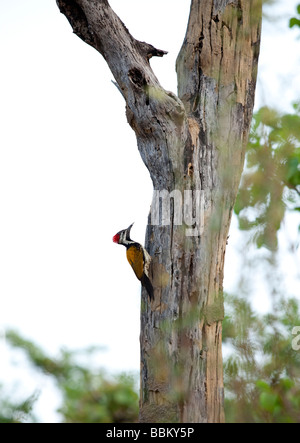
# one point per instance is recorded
(116, 238)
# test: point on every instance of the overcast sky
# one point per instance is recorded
(65, 153)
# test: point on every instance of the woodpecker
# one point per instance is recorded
(138, 258)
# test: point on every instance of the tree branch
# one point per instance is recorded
(292, 187)
(219, 31)
(96, 23)
(147, 102)
(217, 70)
(77, 19)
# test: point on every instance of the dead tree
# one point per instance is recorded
(195, 141)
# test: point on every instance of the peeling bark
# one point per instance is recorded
(195, 141)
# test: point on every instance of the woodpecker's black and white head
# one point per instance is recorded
(123, 237)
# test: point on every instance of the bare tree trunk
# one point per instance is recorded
(193, 142)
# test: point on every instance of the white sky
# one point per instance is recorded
(65, 187)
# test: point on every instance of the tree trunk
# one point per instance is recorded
(193, 142)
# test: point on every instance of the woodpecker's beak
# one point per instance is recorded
(129, 229)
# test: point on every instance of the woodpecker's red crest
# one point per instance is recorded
(116, 238)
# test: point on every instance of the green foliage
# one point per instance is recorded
(16, 412)
(97, 399)
(88, 396)
(271, 182)
(262, 371)
(295, 21)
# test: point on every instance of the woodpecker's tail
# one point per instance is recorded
(148, 285)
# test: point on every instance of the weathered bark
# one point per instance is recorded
(195, 141)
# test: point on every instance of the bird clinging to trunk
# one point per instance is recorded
(138, 258)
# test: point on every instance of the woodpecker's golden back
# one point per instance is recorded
(135, 257)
